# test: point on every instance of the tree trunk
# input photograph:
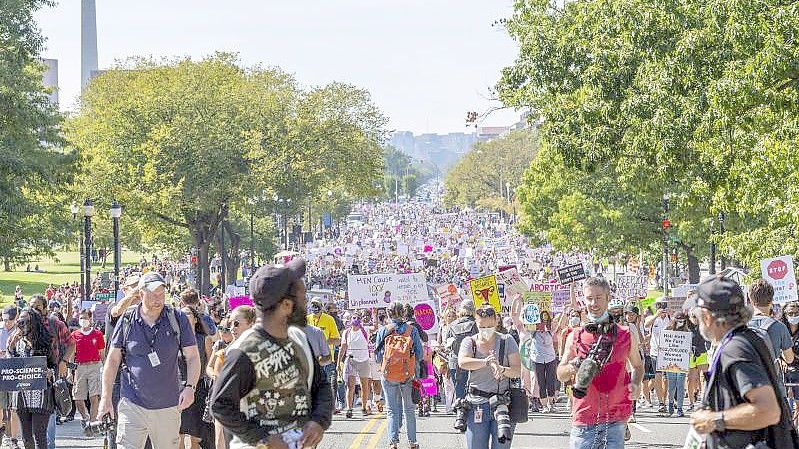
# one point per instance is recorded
(693, 265)
(234, 254)
(6, 265)
(203, 268)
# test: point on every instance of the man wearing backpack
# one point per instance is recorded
(398, 348)
(146, 343)
(459, 330)
(761, 293)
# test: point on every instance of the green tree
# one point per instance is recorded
(33, 167)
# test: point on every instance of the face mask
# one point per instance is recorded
(680, 323)
(574, 321)
(598, 319)
(486, 332)
(315, 310)
(356, 323)
(85, 323)
(793, 320)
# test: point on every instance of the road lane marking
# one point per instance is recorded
(356, 443)
(640, 427)
(377, 436)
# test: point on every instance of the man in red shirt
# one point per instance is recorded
(89, 346)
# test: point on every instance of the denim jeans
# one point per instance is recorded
(593, 437)
(479, 434)
(51, 431)
(460, 377)
(338, 389)
(676, 382)
(399, 401)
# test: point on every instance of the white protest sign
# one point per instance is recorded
(674, 351)
(378, 290)
(682, 290)
(779, 272)
(510, 284)
(630, 286)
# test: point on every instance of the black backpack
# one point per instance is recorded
(128, 316)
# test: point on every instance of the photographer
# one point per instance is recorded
(491, 359)
(595, 360)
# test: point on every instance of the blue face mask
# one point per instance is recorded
(598, 319)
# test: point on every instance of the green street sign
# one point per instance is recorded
(104, 296)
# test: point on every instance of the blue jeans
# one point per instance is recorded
(479, 434)
(676, 382)
(460, 377)
(593, 437)
(399, 401)
(338, 389)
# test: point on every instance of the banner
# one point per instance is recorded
(379, 290)
(674, 351)
(485, 290)
(23, 373)
(571, 273)
(630, 286)
(779, 272)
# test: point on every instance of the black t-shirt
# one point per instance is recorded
(740, 372)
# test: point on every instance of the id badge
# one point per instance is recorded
(478, 415)
(154, 360)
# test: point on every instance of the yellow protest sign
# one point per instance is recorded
(484, 290)
(542, 299)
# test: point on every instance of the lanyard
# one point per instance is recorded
(151, 341)
(717, 354)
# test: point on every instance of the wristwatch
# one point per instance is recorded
(718, 422)
(190, 386)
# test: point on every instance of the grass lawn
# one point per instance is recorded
(65, 267)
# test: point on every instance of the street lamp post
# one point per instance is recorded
(722, 217)
(116, 212)
(666, 225)
(286, 223)
(88, 211)
(712, 251)
(75, 209)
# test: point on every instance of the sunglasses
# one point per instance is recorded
(224, 330)
(487, 312)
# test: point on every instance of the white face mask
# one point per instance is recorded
(84, 322)
(574, 321)
(486, 332)
(793, 320)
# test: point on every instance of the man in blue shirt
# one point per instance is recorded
(398, 394)
(146, 342)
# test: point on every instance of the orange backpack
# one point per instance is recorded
(399, 360)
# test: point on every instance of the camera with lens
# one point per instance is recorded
(461, 407)
(589, 367)
(499, 407)
(99, 427)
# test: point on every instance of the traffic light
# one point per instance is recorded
(666, 224)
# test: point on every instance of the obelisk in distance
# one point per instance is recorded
(88, 41)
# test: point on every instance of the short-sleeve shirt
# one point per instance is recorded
(327, 325)
(778, 333)
(88, 346)
(317, 341)
(740, 372)
(483, 379)
(152, 387)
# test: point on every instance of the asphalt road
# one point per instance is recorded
(549, 431)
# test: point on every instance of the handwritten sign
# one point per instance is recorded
(571, 273)
(23, 373)
(779, 272)
(425, 315)
(630, 286)
(448, 296)
(674, 351)
(379, 290)
(485, 291)
(542, 299)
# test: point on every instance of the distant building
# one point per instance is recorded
(88, 41)
(50, 78)
(486, 133)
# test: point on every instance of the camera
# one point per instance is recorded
(598, 355)
(99, 428)
(461, 407)
(499, 407)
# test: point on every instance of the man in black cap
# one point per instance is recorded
(740, 407)
(271, 391)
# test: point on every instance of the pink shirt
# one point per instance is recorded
(608, 398)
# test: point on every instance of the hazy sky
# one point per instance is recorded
(426, 62)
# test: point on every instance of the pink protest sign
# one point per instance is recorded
(426, 317)
(429, 384)
(237, 301)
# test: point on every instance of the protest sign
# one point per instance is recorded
(630, 286)
(647, 303)
(542, 299)
(426, 317)
(779, 272)
(510, 284)
(531, 314)
(682, 290)
(23, 373)
(571, 273)
(378, 290)
(560, 298)
(485, 290)
(448, 296)
(674, 351)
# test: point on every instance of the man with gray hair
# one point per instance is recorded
(741, 407)
(459, 330)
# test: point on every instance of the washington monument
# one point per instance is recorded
(88, 41)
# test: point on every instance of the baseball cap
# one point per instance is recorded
(9, 313)
(151, 280)
(632, 308)
(54, 304)
(131, 280)
(716, 293)
(271, 282)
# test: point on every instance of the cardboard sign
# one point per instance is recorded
(560, 298)
(682, 290)
(630, 286)
(485, 290)
(542, 299)
(448, 296)
(379, 290)
(674, 351)
(779, 272)
(571, 273)
(23, 373)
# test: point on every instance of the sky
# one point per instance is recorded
(426, 62)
